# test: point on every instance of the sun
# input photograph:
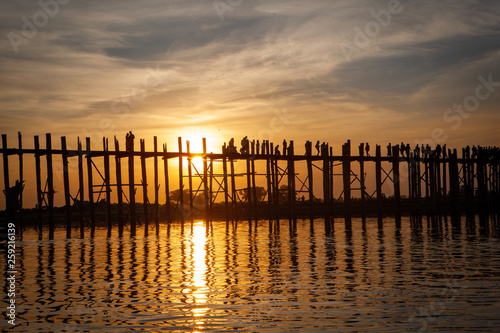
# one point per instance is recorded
(197, 162)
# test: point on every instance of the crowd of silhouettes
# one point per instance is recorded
(256, 147)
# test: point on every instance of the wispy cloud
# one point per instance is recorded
(232, 74)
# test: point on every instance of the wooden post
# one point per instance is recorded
(468, 178)
(205, 176)
(330, 181)
(190, 178)
(91, 187)
(81, 187)
(233, 190)
(454, 182)
(210, 189)
(181, 185)
(432, 182)
(270, 194)
(418, 183)
(410, 179)
(119, 189)
(38, 186)
(438, 182)
(107, 180)
(346, 171)
(378, 180)
(426, 180)
(225, 182)
(444, 189)
(67, 198)
(144, 187)
(21, 180)
(362, 177)
(50, 184)
(482, 187)
(395, 174)
(6, 177)
(326, 183)
(167, 184)
(131, 185)
(310, 179)
(275, 175)
(254, 190)
(291, 180)
(249, 191)
(157, 186)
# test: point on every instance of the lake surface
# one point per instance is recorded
(426, 276)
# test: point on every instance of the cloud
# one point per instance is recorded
(233, 73)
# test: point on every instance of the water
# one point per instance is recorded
(222, 278)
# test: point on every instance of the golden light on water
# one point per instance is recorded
(199, 282)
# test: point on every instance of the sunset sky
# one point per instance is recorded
(267, 69)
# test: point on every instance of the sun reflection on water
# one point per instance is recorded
(199, 283)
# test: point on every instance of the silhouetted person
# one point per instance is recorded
(129, 141)
(284, 147)
(389, 150)
(438, 151)
(317, 147)
(253, 147)
(367, 149)
(258, 147)
(263, 148)
(324, 149)
(308, 147)
(277, 150)
(474, 151)
(232, 148)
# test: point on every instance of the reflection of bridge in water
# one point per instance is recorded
(437, 181)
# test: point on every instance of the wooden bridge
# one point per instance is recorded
(438, 181)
